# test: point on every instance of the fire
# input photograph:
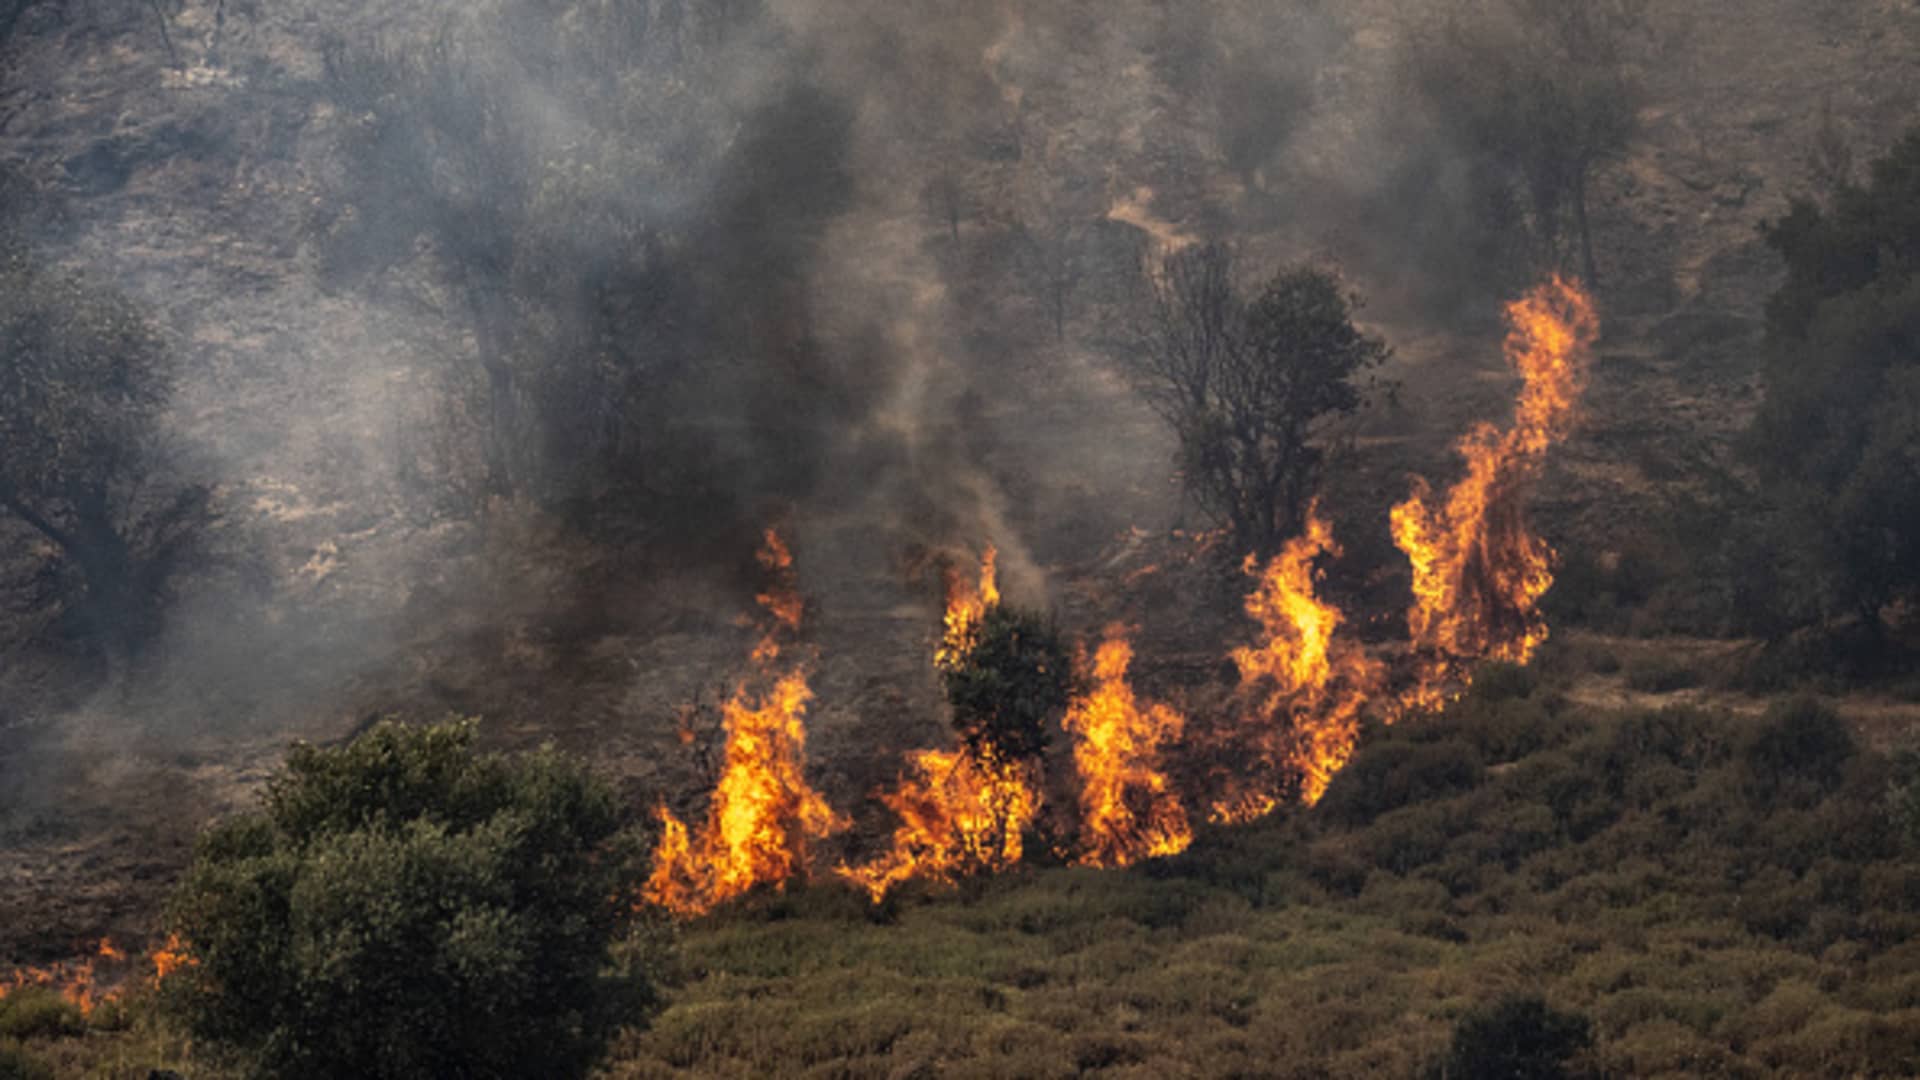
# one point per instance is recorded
(960, 813)
(1303, 670)
(1478, 573)
(96, 980)
(172, 957)
(967, 604)
(763, 817)
(1127, 810)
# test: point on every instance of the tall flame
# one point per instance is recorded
(1128, 811)
(1302, 670)
(960, 813)
(763, 817)
(1478, 572)
(967, 604)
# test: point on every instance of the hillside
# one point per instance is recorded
(951, 386)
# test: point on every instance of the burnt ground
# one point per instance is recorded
(189, 186)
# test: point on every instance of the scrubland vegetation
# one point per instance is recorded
(679, 273)
(1699, 894)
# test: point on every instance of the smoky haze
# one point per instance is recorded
(481, 307)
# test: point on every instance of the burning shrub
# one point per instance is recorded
(403, 906)
(1017, 676)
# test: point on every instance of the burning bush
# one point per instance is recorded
(1015, 678)
(403, 906)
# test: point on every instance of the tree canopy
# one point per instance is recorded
(1836, 441)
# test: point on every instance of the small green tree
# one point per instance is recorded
(1008, 688)
(1540, 93)
(85, 377)
(1517, 1038)
(403, 906)
(1248, 387)
(1836, 440)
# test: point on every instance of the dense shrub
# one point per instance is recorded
(1800, 748)
(1390, 775)
(1007, 689)
(1517, 1038)
(37, 1013)
(17, 1064)
(403, 906)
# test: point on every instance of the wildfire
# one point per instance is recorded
(960, 813)
(1127, 809)
(1302, 670)
(1478, 572)
(763, 816)
(967, 604)
(96, 980)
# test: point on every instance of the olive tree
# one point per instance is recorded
(1248, 384)
(404, 906)
(1539, 94)
(85, 377)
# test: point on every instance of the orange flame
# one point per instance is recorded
(1478, 573)
(1303, 670)
(763, 817)
(967, 604)
(172, 957)
(1127, 810)
(79, 983)
(960, 814)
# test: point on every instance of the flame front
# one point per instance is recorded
(1478, 572)
(1128, 811)
(960, 814)
(1302, 671)
(763, 817)
(99, 979)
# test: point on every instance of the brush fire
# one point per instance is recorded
(1306, 683)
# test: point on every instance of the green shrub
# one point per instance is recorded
(1903, 793)
(17, 1064)
(1007, 688)
(1800, 747)
(403, 906)
(37, 1012)
(1390, 775)
(1500, 681)
(1520, 1038)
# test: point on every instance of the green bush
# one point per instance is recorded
(1800, 748)
(1390, 775)
(1007, 688)
(404, 906)
(17, 1064)
(36, 1012)
(1517, 1038)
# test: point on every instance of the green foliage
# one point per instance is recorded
(1247, 385)
(1798, 745)
(1009, 687)
(1516, 1038)
(1540, 93)
(403, 906)
(17, 1064)
(1836, 439)
(36, 1012)
(84, 376)
(1903, 792)
(1660, 675)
